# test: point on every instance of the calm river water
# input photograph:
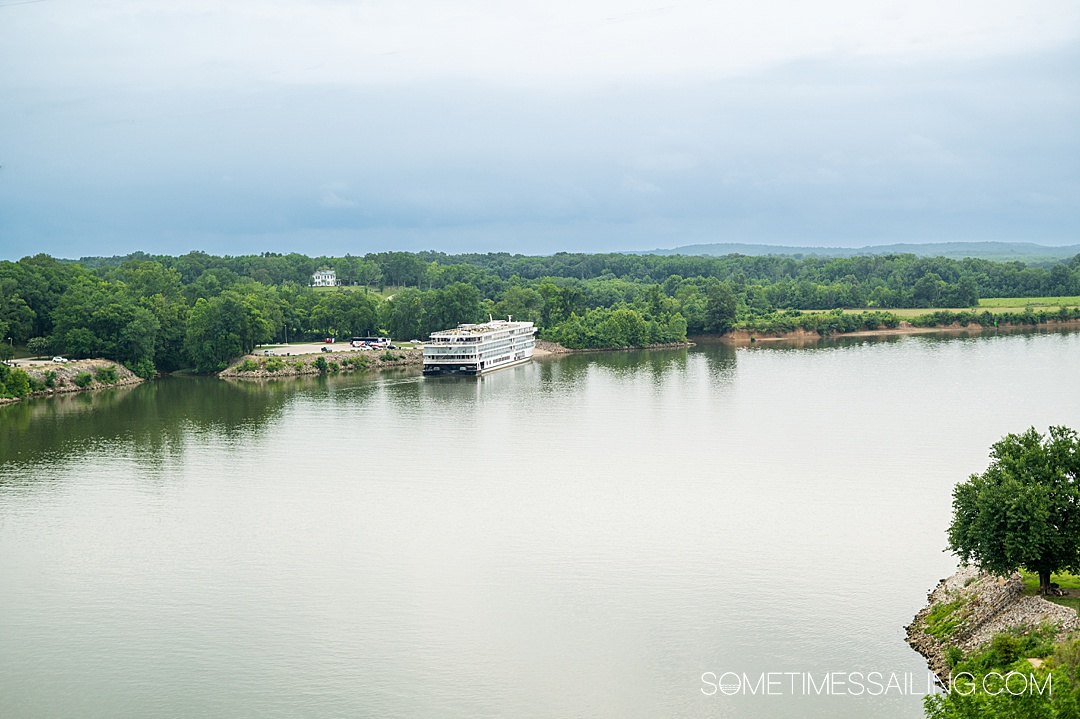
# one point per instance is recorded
(578, 537)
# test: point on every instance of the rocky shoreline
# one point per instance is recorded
(63, 376)
(255, 367)
(967, 609)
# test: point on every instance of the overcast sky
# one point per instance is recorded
(334, 126)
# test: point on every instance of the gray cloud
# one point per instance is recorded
(835, 151)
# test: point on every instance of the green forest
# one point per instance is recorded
(163, 313)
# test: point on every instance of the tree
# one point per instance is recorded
(38, 346)
(1024, 510)
(225, 327)
(720, 305)
(453, 305)
(403, 315)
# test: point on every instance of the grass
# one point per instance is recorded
(994, 303)
(386, 291)
(943, 619)
(1065, 581)
(1071, 602)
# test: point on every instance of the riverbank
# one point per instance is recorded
(746, 336)
(47, 380)
(261, 367)
(966, 610)
(543, 347)
(256, 367)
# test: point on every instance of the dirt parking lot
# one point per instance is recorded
(31, 362)
(306, 348)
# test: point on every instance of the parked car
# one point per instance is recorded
(326, 349)
(268, 353)
(59, 360)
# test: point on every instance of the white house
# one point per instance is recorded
(324, 278)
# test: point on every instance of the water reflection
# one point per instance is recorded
(154, 418)
(579, 536)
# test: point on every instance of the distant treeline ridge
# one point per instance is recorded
(163, 313)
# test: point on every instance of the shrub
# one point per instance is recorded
(388, 356)
(275, 365)
(106, 375)
(333, 366)
(299, 365)
(143, 368)
(36, 385)
(320, 364)
(83, 379)
(50, 378)
(248, 365)
(15, 383)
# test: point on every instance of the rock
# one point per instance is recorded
(982, 605)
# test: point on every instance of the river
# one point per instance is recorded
(583, 536)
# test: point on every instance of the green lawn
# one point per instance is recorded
(1022, 302)
(992, 304)
(386, 291)
(1065, 581)
(903, 311)
(1071, 602)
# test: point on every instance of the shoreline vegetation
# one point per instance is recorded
(1009, 614)
(966, 611)
(160, 314)
(53, 379)
(255, 367)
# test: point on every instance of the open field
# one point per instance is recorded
(994, 303)
(384, 293)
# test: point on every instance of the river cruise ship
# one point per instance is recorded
(480, 348)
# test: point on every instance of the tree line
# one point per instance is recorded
(163, 313)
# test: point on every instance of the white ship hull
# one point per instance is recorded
(475, 349)
(445, 369)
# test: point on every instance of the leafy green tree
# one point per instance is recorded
(1024, 510)
(38, 346)
(928, 291)
(225, 327)
(522, 303)
(453, 305)
(345, 314)
(402, 315)
(81, 342)
(720, 307)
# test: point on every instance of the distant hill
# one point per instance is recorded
(998, 251)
